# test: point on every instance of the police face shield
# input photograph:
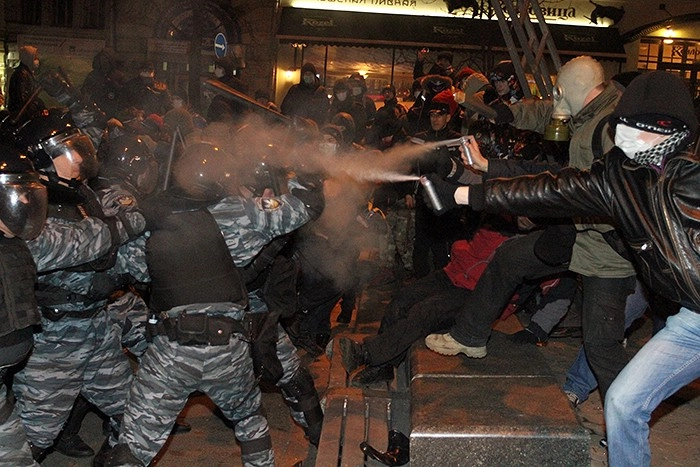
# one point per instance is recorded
(23, 203)
(144, 172)
(74, 156)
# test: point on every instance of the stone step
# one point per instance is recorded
(505, 409)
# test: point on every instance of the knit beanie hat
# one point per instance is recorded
(658, 102)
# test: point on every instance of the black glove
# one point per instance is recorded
(449, 169)
(445, 192)
(312, 199)
(503, 113)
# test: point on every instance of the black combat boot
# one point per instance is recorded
(69, 442)
(39, 454)
(301, 388)
(106, 449)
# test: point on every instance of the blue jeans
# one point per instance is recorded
(580, 379)
(669, 361)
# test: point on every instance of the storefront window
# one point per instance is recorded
(379, 66)
(678, 56)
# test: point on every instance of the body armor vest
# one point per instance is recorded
(189, 262)
(18, 309)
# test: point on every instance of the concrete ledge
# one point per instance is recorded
(505, 409)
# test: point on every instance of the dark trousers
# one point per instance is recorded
(426, 306)
(513, 263)
(603, 315)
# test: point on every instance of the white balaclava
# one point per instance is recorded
(575, 80)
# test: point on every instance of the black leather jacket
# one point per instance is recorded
(658, 214)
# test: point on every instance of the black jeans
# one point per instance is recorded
(513, 263)
(426, 306)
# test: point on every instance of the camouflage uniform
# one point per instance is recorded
(18, 314)
(78, 350)
(169, 372)
(14, 450)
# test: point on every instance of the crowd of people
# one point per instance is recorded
(206, 249)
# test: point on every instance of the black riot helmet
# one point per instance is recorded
(128, 158)
(23, 198)
(57, 148)
(203, 173)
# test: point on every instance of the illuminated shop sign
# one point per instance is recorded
(570, 12)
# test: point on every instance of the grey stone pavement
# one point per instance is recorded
(675, 438)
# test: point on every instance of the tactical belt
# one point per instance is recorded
(54, 314)
(196, 329)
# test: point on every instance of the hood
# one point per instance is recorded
(104, 61)
(659, 94)
(308, 67)
(27, 53)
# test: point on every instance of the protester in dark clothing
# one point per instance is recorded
(145, 93)
(418, 114)
(103, 84)
(307, 99)
(343, 101)
(225, 71)
(505, 82)
(22, 90)
(390, 123)
(424, 306)
(442, 65)
(366, 110)
(434, 234)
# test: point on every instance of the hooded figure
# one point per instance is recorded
(103, 84)
(307, 99)
(225, 71)
(650, 122)
(22, 89)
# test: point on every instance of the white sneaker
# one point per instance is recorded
(444, 344)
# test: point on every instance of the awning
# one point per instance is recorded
(375, 29)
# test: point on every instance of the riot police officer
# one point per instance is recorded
(22, 215)
(78, 350)
(200, 235)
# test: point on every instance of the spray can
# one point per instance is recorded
(432, 195)
(466, 150)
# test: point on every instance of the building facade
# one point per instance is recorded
(269, 40)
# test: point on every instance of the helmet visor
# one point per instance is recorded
(23, 202)
(144, 171)
(74, 156)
